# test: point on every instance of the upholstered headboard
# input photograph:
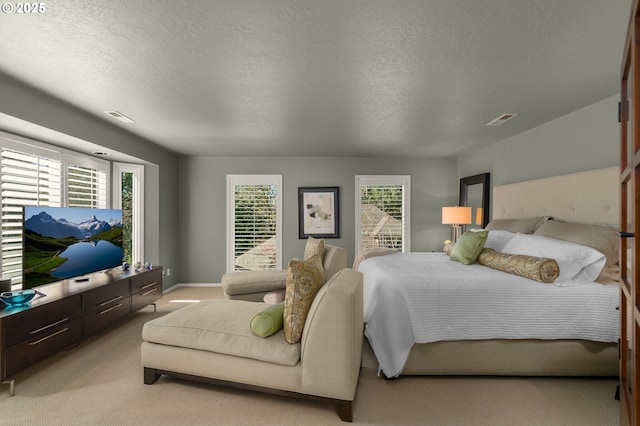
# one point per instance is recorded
(587, 197)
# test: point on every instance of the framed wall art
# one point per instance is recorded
(318, 213)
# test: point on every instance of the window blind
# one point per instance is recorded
(254, 222)
(86, 187)
(383, 212)
(26, 179)
(255, 227)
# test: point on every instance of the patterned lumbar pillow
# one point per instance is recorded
(535, 268)
(304, 279)
(314, 246)
(268, 321)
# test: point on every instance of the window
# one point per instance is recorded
(383, 212)
(254, 222)
(128, 195)
(38, 174)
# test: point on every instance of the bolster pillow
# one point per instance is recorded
(268, 321)
(535, 268)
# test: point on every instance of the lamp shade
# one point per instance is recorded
(456, 215)
(479, 216)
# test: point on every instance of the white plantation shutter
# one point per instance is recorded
(86, 187)
(26, 179)
(254, 222)
(382, 212)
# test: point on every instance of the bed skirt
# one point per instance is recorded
(514, 358)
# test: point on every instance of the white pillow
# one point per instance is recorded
(498, 238)
(578, 264)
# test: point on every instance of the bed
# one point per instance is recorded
(428, 315)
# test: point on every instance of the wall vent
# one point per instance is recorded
(501, 119)
(120, 116)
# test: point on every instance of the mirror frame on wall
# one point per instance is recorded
(481, 179)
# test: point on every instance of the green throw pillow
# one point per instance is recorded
(467, 249)
(268, 321)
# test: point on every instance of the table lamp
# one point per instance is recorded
(479, 216)
(456, 216)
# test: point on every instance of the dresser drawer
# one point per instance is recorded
(146, 296)
(33, 322)
(96, 320)
(146, 280)
(40, 346)
(107, 296)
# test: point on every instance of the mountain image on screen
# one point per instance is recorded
(62, 243)
(47, 226)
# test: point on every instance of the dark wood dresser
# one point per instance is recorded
(70, 311)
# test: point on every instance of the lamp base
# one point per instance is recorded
(455, 233)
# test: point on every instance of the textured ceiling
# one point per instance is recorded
(321, 77)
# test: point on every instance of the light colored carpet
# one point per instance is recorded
(99, 382)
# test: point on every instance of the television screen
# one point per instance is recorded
(64, 242)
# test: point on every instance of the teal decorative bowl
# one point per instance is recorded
(17, 298)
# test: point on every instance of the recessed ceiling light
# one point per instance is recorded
(501, 119)
(120, 116)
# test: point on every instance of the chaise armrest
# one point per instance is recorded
(253, 285)
(333, 261)
(331, 347)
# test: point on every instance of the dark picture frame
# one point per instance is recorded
(318, 212)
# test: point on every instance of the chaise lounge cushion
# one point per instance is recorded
(314, 246)
(222, 326)
(304, 279)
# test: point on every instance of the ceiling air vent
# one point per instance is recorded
(119, 116)
(501, 119)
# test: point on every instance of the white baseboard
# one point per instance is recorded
(181, 285)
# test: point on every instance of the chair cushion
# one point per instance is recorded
(222, 326)
(304, 279)
(315, 246)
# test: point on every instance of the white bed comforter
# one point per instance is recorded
(425, 297)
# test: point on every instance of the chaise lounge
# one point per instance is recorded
(212, 341)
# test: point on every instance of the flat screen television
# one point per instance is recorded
(63, 242)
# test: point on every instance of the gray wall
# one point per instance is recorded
(585, 139)
(434, 183)
(185, 219)
(161, 166)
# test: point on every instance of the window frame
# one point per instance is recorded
(137, 241)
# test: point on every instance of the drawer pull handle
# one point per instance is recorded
(64, 330)
(144, 287)
(110, 301)
(49, 326)
(110, 309)
(149, 292)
